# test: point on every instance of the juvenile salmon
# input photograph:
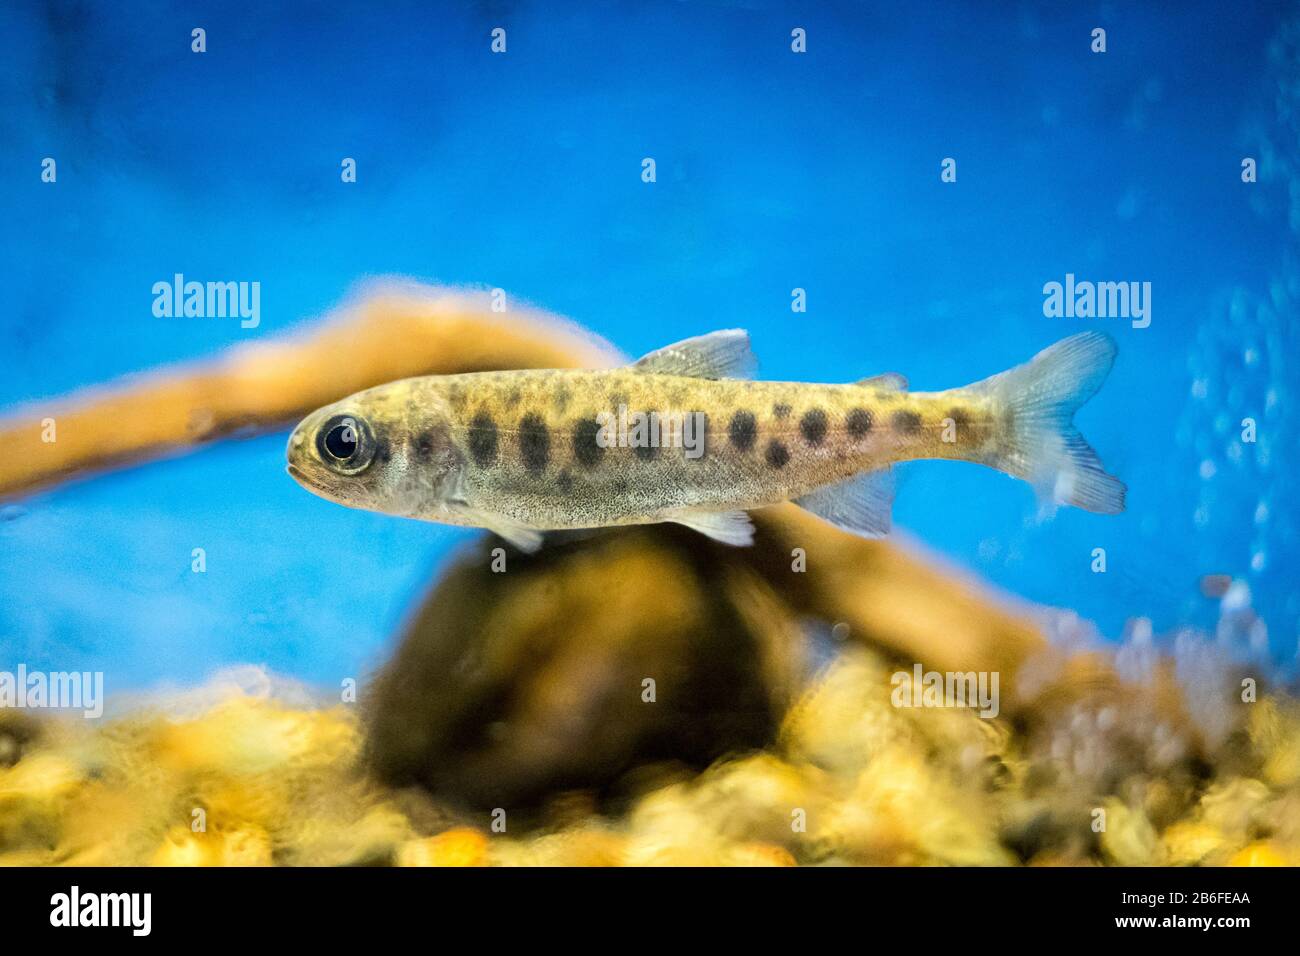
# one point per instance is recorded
(683, 435)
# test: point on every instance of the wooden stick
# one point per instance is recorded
(396, 330)
(946, 621)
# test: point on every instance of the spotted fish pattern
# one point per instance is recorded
(523, 452)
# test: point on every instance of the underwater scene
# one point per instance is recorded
(663, 434)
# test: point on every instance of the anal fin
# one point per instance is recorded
(860, 504)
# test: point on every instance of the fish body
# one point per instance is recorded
(683, 436)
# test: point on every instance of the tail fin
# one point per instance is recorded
(1040, 444)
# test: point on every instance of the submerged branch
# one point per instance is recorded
(392, 332)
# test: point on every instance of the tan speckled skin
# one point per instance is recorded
(434, 434)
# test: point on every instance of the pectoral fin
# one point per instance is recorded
(524, 538)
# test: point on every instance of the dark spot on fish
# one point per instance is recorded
(858, 422)
(383, 450)
(648, 450)
(778, 456)
(813, 426)
(781, 410)
(960, 419)
(534, 443)
(457, 396)
(423, 447)
(620, 486)
(512, 397)
(743, 430)
(585, 446)
(564, 481)
(906, 422)
(483, 439)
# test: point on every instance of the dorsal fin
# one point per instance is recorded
(724, 354)
(889, 382)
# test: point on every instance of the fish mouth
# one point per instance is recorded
(321, 487)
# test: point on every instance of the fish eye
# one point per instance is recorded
(341, 442)
(345, 444)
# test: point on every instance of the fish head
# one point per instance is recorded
(387, 449)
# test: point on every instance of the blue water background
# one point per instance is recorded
(775, 171)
